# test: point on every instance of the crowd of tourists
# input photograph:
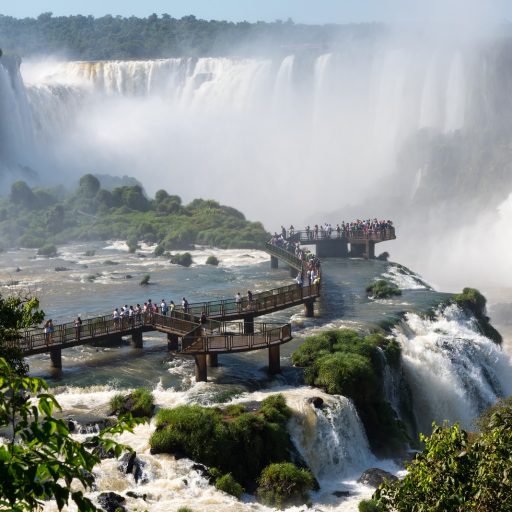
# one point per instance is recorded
(309, 260)
(343, 230)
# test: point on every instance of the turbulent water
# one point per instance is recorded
(452, 371)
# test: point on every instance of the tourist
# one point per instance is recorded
(238, 301)
(203, 321)
(78, 327)
(163, 307)
(171, 307)
(249, 299)
(184, 305)
(116, 317)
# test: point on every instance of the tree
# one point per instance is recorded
(456, 471)
(88, 186)
(22, 194)
(17, 313)
(40, 460)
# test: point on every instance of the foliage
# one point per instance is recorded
(17, 313)
(284, 484)
(159, 250)
(185, 509)
(369, 506)
(345, 363)
(212, 260)
(229, 485)
(183, 259)
(207, 434)
(381, 289)
(35, 217)
(145, 280)
(474, 302)
(47, 250)
(40, 459)
(458, 472)
(139, 403)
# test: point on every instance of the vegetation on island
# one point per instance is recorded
(115, 37)
(457, 470)
(382, 289)
(41, 218)
(346, 363)
(145, 280)
(254, 440)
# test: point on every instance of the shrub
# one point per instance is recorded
(229, 485)
(212, 260)
(369, 506)
(185, 509)
(159, 250)
(48, 250)
(284, 484)
(183, 259)
(145, 280)
(90, 252)
(381, 289)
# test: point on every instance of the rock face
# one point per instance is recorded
(130, 463)
(375, 476)
(317, 401)
(111, 502)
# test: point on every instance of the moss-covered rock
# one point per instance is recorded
(207, 434)
(184, 259)
(212, 260)
(382, 289)
(229, 485)
(346, 363)
(48, 250)
(284, 484)
(139, 403)
(472, 301)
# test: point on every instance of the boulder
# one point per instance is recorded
(341, 494)
(111, 502)
(317, 401)
(130, 463)
(376, 476)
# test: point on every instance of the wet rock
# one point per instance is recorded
(376, 476)
(341, 494)
(18, 269)
(111, 502)
(317, 401)
(131, 464)
(201, 469)
(61, 269)
(136, 495)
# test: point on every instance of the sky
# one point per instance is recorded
(301, 11)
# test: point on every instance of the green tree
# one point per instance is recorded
(88, 186)
(40, 460)
(17, 313)
(456, 471)
(22, 195)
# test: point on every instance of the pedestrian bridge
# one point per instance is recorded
(230, 327)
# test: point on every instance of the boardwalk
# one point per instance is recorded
(230, 328)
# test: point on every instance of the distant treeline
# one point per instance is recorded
(116, 37)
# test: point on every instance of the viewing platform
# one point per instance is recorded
(336, 245)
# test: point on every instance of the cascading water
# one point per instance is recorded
(453, 371)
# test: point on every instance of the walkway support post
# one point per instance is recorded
(201, 370)
(309, 308)
(213, 360)
(137, 339)
(56, 358)
(274, 262)
(172, 341)
(274, 359)
(249, 325)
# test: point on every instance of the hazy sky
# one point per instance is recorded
(301, 11)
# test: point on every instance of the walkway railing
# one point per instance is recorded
(284, 255)
(312, 236)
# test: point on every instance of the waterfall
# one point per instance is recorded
(453, 371)
(16, 128)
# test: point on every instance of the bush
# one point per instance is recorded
(229, 485)
(145, 280)
(284, 484)
(90, 252)
(369, 506)
(48, 250)
(183, 259)
(139, 403)
(212, 260)
(159, 250)
(382, 289)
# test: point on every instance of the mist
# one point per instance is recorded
(371, 127)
